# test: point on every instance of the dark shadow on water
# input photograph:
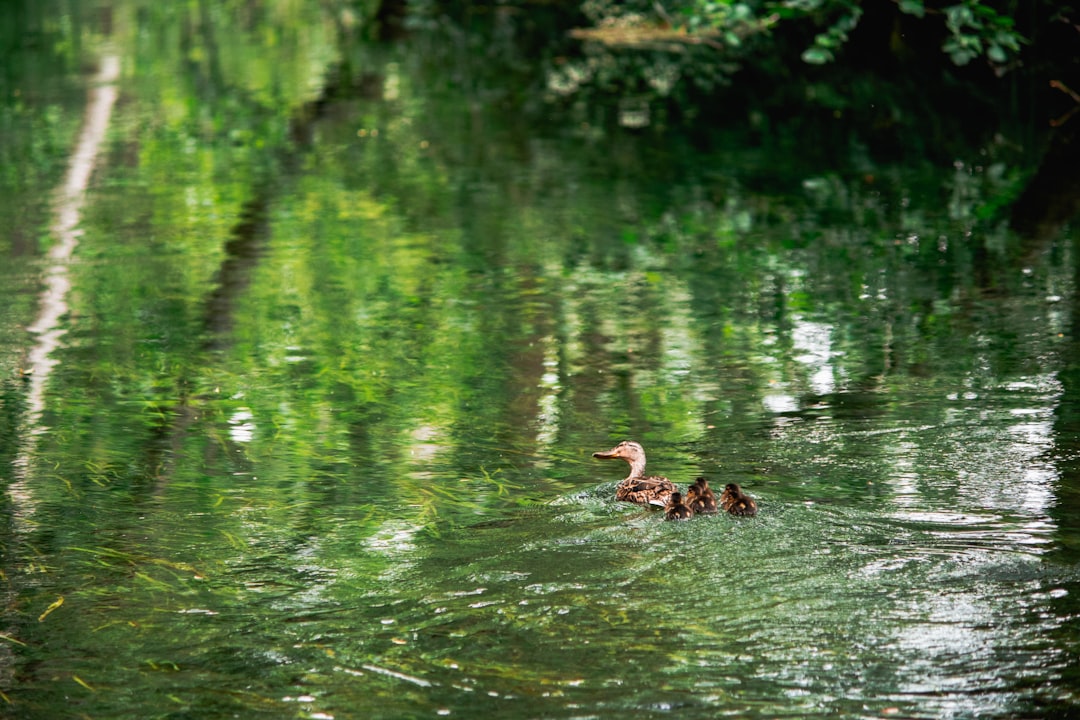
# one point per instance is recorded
(242, 253)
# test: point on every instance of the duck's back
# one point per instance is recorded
(653, 490)
(700, 498)
(735, 502)
(678, 512)
(703, 504)
(744, 507)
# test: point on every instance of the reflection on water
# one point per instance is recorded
(348, 473)
(46, 328)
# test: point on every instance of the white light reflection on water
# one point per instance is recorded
(242, 425)
(969, 523)
(679, 345)
(780, 403)
(935, 553)
(953, 656)
(814, 341)
(548, 416)
(812, 349)
(393, 538)
(424, 446)
(47, 327)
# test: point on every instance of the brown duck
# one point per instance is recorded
(676, 509)
(636, 487)
(700, 498)
(736, 502)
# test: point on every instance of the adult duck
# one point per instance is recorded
(637, 487)
(700, 498)
(736, 502)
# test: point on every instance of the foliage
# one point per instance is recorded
(974, 28)
(667, 53)
(829, 41)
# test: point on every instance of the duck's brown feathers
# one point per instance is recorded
(736, 502)
(676, 509)
(700, 498)
(637, 487)
(653, 490)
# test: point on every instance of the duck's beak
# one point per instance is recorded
(606, 455)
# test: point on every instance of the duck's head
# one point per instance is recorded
(675, 499)
(733, 489)
(627, 450)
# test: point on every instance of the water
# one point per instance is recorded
(318, 440)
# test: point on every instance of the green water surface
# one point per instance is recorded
(318, 440)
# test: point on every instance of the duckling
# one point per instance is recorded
(736, 502)
(676, 509)
(636, 487)
(700, 498)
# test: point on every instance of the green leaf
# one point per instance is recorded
(913, 7)
(959, 16)
(1007, 39)
(961, 57)
(817, 55)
